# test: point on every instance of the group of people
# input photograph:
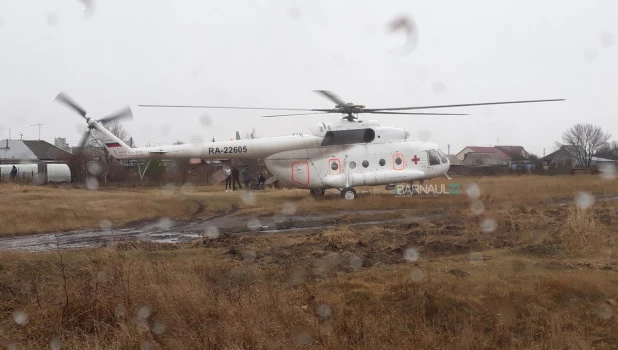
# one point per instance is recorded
(233, 176)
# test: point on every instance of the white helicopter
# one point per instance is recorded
(339, 155)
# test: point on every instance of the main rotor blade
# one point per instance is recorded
(64, 98)
(286, 115)
(412, 113)
(123, 113)
(331, 96)
(82, 142)
(460, 105)
(231, 107)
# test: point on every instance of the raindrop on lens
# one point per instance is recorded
(590, 55)
(324, 310)
(120, 311)
(584, 200)
(289, 208)
(205, 120)
(248, 255)
(92, 183)
(410, 255)
(477, 207)
(356, 262)
(488, 225)
(254, 224)
(417, 275)
(473, 191)
(158, 328)
(105, 225)
(438, 87)
(607, 171)
(55, 344)
(187, 188)
(169, 189)
(146, 345)
(424, 135)
(476, 258)
(605, 312)
(20, 317)
(303, 339)
(144, 312)
(248, 197)
(607, 39)
(94, 168)
(165, 223)
(212, 232)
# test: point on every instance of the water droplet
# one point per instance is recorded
(289, 208)
(356, 262)
(324, 310)
(423, 74)
(105, 225)
(146, 345)
(248, 197)
(338, 60)
(187, 188)
(584, 200)
(249, 255)
(165, 223)
(410, 255)
(607, 171)
(406, 25)
(605, 311)
(39, 179)
(168, 189)
(20, 317)
(94, 168)
(52, 19)
(438, 87)
(477, 207)
(607, 39)
(144, 312)
(303, 339)
(473, 191)
(417, 275)
(295, 12)
(120, 311)
(205, 120)
(590, 54)
(212, 232)
(424, 135)
(476, 258)
(254, 224)
(92, 183)
(297, 276)
(158, 328)
(55, 344)
(488, 225)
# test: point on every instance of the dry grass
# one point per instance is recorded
(545, 278)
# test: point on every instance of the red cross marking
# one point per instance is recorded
(415, 159)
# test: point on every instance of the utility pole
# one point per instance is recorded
(21, 135)
(9, 133)
(39, 125)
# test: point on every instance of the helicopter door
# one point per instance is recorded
(399, 162)
(300, 172)
(334, 166)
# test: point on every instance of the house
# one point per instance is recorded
(565, 159)
(12, 151)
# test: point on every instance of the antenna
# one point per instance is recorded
(39, 125)
(21, 135)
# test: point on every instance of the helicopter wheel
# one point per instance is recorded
(348, 193)
(317, 192)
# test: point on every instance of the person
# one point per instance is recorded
(261, 181)
(228, 177)
(13, 172)
(246, 177)
(235, 178)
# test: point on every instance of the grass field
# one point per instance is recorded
(534, 269)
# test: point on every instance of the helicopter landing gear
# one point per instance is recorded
(317, 192)
(348, 193)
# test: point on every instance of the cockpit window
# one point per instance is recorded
(434, 158)
(346, 137)
(443, 157)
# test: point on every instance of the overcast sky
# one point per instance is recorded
(274, 53)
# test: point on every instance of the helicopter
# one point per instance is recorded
(341, 155)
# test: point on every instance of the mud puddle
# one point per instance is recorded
(168, 231)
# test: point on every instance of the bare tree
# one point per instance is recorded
(586, 140)
(252, 134)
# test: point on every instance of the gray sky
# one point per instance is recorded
(273, 53)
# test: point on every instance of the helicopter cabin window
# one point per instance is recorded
(398, 160)
(382, 162)
(346, 137)
(352, 164)
(434, 158)
(365, 163)
(334, 166)
(442, 157)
